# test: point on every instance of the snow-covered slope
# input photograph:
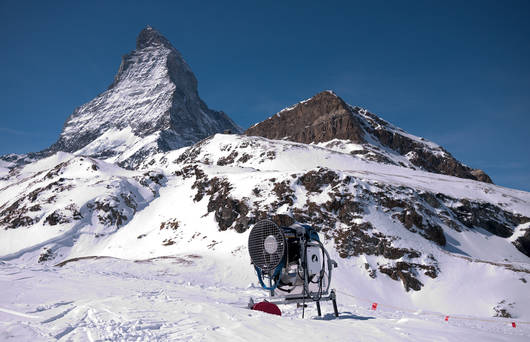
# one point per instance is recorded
(64, 200)
(405, 237)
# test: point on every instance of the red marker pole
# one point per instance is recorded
(374, 306)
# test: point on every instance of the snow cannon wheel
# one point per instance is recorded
(267, 307)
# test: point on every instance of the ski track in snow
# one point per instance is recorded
(161, 300)
(20, 314)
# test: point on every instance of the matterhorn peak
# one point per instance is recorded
(149, 37)
(152, 106)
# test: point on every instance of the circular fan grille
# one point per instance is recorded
(266, 245)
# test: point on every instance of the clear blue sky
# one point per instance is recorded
(455, 72)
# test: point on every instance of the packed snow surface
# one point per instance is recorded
(198, 298)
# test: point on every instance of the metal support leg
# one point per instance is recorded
(318, 309)
(334, 301)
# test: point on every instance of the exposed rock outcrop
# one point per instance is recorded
(322, 118)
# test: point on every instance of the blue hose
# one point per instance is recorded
(277, 271)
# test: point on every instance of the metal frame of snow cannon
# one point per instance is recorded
(293, 262)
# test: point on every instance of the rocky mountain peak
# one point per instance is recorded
(328, 104)
(328, 120)
(149, 37)
(321, 118)
(327, 101)
(151, 48)
(152, 106)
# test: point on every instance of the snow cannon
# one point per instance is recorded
(292, 264)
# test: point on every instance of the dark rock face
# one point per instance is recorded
(356, 241)
(322, 118)
(425, 159)
(501, 309)
(151, 37)
(480, 175)
(523, 243)
(314, 180)
(487, 216)
(326, 116)
(407, 273)
(56, 218)
(46, 255)
(108, 211)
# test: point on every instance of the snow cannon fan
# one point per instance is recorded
(292, 264)
(266, 245)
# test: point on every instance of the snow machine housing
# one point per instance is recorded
(293, 262)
